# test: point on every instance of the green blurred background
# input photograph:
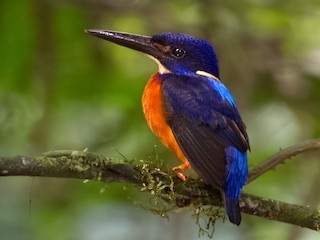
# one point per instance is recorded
(63, 89)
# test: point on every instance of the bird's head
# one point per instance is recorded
(176, 53)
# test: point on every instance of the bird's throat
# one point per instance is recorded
(162, 69)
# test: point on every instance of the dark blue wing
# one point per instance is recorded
(205, 120)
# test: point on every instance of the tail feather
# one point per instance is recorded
(233, 210)
(237, 174)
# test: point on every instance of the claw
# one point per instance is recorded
(182, 166)
(181, 176)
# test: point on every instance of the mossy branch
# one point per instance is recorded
(88, 165)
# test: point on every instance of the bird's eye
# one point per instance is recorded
(177, 52)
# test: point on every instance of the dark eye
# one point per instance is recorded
(177, 52)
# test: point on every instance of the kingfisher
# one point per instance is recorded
(192, 112)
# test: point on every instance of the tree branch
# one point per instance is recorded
(87, 165)
(281, 156)
(69, 164)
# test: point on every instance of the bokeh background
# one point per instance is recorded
(63, 89)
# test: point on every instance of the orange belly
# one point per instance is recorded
(152, 103)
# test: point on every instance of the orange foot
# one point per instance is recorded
(180, 167)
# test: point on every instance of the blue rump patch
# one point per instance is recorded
(237, 171)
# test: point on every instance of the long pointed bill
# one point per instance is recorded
(136, 42)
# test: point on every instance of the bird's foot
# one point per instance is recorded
(180, 167)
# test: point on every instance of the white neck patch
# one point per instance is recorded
(206, 74)
(162, 69)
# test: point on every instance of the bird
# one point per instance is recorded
(191, 111)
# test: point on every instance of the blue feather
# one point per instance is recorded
(223, 91)
(202, 95)
(237, 171)
(237, 174)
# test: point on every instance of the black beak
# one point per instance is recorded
(136, 42)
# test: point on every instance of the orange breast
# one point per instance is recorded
(152, 103)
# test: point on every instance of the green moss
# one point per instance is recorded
(160, 185)
(167, 193)
(206, 217)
